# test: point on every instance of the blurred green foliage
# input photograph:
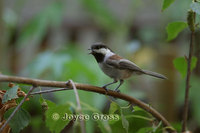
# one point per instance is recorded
(72, 62)
(101, 14)
(37, 27)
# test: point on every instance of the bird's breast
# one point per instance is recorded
(114, 72)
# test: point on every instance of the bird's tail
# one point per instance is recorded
(154, 74)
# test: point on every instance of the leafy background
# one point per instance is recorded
(49, 40)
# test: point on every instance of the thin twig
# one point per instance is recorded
(85, 87)
(191, 23)
(78, 106)
(76, 94)
(48, 91)
(17, 108)
(186, 102)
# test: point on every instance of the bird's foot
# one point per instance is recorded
(105, 88)
(117, 90)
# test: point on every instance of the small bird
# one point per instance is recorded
(117, 67)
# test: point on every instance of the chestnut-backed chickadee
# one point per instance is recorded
(115, 66)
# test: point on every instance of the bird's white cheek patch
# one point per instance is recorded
(103, 51)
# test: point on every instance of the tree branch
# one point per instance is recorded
(17, 108)
(85, 87)
(191, 23)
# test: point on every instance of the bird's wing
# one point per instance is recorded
(126, 64)
(120, 63)
(123, 64)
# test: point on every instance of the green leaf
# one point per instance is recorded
(136, 108)
(103, 125)
(140, 117)
(20, 120)
(137, 120)
(174, 28)
(177, 126)
(89, 107)
(113, 108)
(195, 7)
(125, 122)
(166, 4)
(180, 64)
(41, 99)
(157, 128)
(54, 116)
(193, 62)
(145, 130)
(10, 94)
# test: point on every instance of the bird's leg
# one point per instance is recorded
(121, 82)
(115, 81)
